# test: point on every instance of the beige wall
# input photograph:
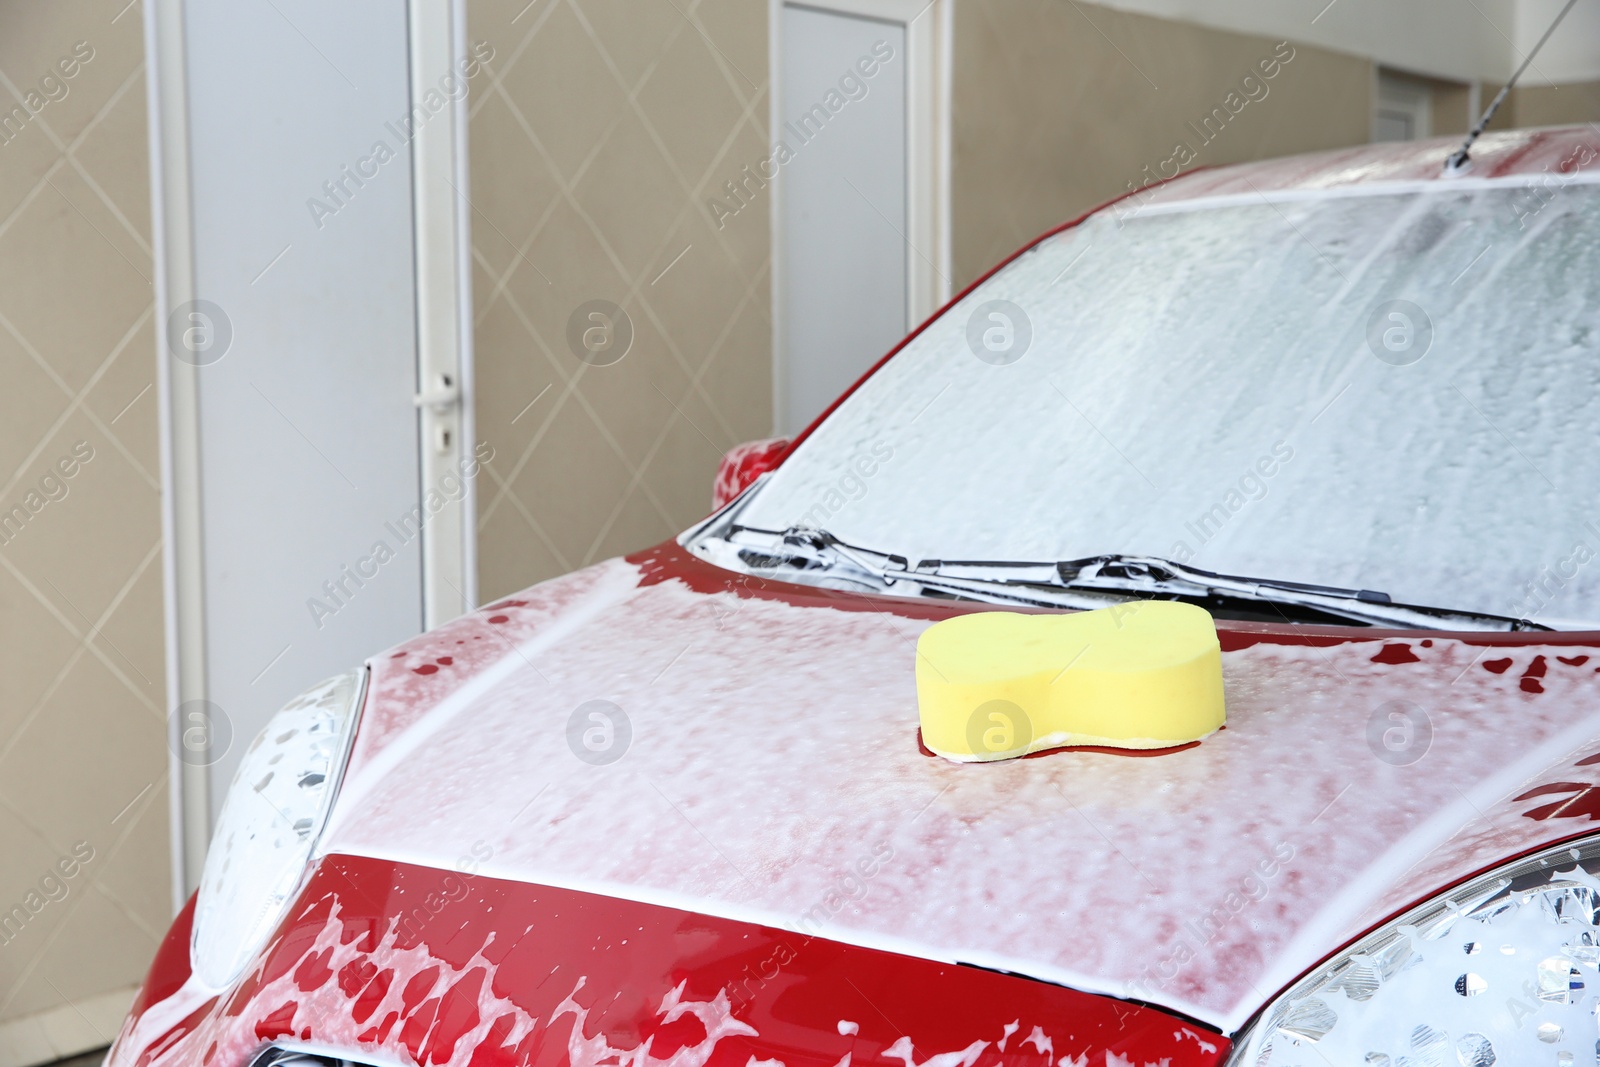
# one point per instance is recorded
(82, 688)
(1450, 108)
(605, 127)
(1057, 106)
(1553, 105)
(1543, 105)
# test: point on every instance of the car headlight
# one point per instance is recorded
(1499, 970)
(270, 820)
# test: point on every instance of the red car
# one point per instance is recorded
(673, 810)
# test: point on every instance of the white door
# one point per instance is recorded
(307, 435)
(309, 256)
(859, 247)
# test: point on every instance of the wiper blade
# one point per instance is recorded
(1092, 582)
(1151, 574)
(820, 553)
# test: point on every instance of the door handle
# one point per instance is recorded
(444, 395)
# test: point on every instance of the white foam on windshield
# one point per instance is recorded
(1176, 357)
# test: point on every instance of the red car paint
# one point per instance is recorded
(743, 464)
(413, 964)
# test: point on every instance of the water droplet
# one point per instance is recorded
(1558, 980)
(1474, 1050)
(1428, 1046)
(1308, 1020)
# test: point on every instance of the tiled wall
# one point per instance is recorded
(82, 684)
(605, 127)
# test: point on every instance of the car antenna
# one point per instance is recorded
(1460, 160)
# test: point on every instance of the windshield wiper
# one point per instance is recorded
(1151, 574)
(1092, 582)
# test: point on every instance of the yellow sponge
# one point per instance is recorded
(994, 684)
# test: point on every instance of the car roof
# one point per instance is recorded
(1558, 151)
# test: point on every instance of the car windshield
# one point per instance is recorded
(1386, 389)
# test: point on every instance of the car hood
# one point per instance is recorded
(757, 758)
